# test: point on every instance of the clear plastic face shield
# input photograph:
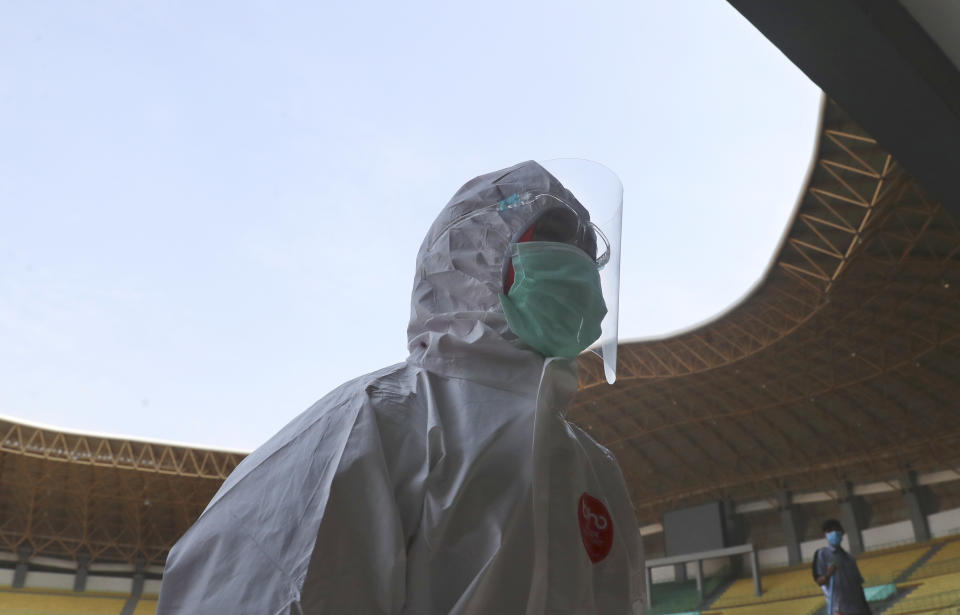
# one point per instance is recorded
(591, 222)
(600, 192)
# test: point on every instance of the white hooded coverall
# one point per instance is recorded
(449, 483)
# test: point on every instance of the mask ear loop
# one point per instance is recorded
(508, 279)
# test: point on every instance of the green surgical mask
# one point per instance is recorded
(555, 304)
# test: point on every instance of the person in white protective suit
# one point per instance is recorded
(450, 483)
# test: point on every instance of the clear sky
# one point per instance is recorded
(210, 211)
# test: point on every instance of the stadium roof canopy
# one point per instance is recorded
(75, 495)
(841, 365)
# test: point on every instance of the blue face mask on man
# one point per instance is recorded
(835, 538)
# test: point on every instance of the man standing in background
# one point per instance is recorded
(836, 572)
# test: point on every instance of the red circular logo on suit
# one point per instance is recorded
(596, 527)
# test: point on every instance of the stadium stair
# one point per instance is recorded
(130, 606)
(797, 606)
(683, 597)
(52, 602)
(946, 560)
(926, 557)
(876, 606)
(787, 584)
(885, 605)
(787, 588)
(881, 567)
(146, 606)
(719, 590)
(939, 592)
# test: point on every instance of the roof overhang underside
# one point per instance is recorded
(843, 365)
(81, 496)
(895, 66)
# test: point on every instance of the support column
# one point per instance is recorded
(83, 568)
(24, 551)
(649, 574)
(680, 572)
(699, 572)
(918, 516)
(849, 517)
(139, 576)
(788, 523)
(733, 534)
(136, 590)
(755, 567)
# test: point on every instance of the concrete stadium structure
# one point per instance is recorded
(831, 389)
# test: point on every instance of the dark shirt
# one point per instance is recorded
(847, 582)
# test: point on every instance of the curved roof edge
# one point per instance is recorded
(118, 437)
(29, 440)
